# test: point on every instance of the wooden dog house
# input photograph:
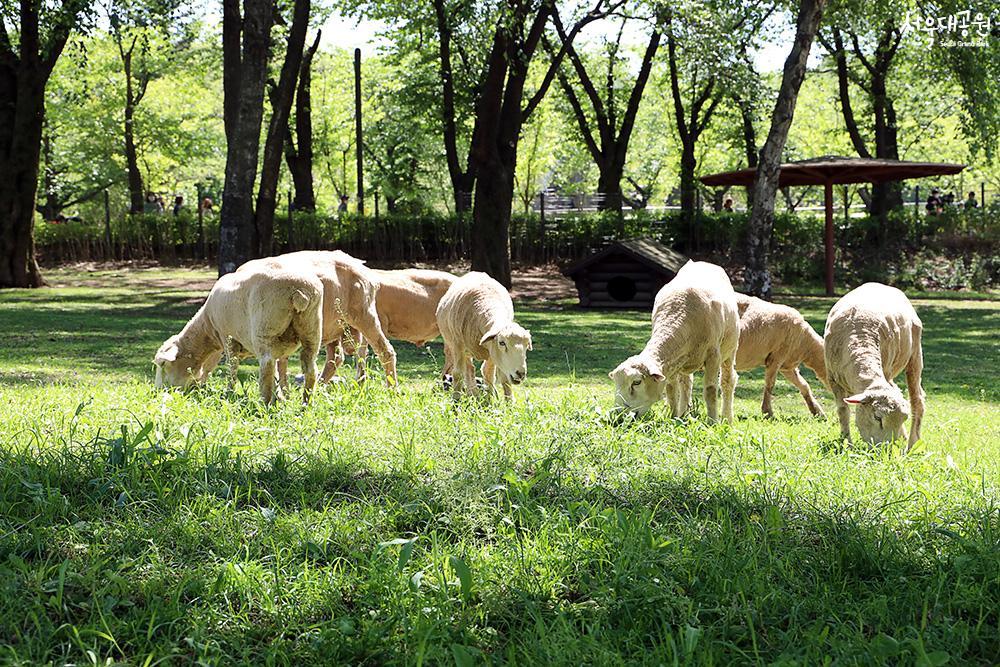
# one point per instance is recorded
(626, 274)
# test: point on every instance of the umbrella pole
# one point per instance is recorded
(828, 236)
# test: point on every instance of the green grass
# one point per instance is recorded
(138, 525)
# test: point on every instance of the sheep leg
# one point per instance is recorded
(914, 372)
(283, 374)
(334, 359)
(373, 335)
(267, 370)
(489, 371)
(310, 349)
(685, 382)
(728, 387)
(770, 375)
(671, 389)
(361, 362)
(232, 369)
(469, 371)
(795, 377)
(449, 365)
(712, 373)
(843, 412)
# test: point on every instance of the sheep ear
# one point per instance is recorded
(168, 354)
(611, 374)
(857, 399)
(492, 333)
(658, 377)
(528, 331)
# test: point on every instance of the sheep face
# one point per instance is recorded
(638, 385)
(880, 413)
(508, 349)
(174, 367)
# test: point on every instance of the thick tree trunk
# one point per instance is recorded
(688, 184)
(609, 183)
(21, 137)
(300, 158)
(281, 108)
(245, 50)
(758, 275)
(491, 220)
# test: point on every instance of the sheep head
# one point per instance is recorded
(639, 383)
(508, 345)
(176, 366)
(880, 412)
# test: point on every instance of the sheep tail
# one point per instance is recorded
(300, 300)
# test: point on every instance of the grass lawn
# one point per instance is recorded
(143, 526)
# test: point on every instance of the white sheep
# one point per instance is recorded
(476, 319)
(261, 311)
(695, 327)
(406, 303)
(349, 292)
(872, 335)
(778, 338)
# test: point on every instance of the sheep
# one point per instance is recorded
(349, 293)
(406, 303)
(872, 335)
(476, 319)
(779, 339)
(260, 310)
(695, 327)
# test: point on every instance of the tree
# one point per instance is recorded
(245, 44)
(500, 115)
(705, 47)
(758, 276)
(608, 146)
(299, 148)
(873, 80)
(26, 62)
(277, 130)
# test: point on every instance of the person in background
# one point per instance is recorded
(161, 205)
(207, 205)
(343, 204)
(727, 204)
(934, 203)
(178, 204)
(150, 206)
(949, 199)
(971, 201)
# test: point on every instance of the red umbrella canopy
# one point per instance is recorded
(837, 169)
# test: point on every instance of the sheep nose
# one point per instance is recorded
(518, 376)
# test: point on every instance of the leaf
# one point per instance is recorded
(463, 655)
(405, 551)
(464, 575)
(884, 646)
(934, 659)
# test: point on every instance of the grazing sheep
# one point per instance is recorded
(872, 335)
(779, 339)
(260, 310)
(349, 293)
(695, 327)
(406, 302)
(476, 319)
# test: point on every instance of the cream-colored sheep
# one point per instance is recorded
(476, 319)
(261, 311)
(778, 338)
(406, 302)
(696, 326)
(349, 294)
(872, 335)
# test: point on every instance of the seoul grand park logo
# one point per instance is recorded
(963, 29)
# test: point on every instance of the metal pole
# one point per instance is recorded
(830, 257)
(357, 131)
(291, 223)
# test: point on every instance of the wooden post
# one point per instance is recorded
(847, 206)
(107, 225)
(357, 131)
(830, 256)
(916, 201)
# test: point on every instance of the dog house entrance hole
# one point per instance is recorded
(621, 288)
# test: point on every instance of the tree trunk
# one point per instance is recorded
(21, 136)
(885, 196)
(609, 183)
(758, 275)
(245, 70)
(688, 184)
(491, 220)
(281, 108)
(136, 194)
(300, 158)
